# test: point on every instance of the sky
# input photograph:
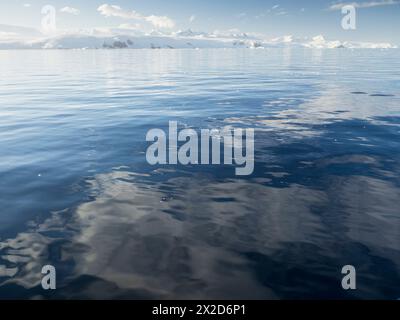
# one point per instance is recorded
(377, 20)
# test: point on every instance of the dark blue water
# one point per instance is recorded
(76, 191)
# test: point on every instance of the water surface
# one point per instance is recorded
(77, 192)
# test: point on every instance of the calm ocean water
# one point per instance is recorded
(76, 191)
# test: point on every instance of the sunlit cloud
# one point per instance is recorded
(70, 10)
(130, 26)
(160, 21)
(108, 10)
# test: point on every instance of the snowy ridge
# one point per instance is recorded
(124, 38)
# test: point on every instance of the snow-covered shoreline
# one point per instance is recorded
(24, 38)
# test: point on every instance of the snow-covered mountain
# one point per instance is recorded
(125, 37)
(124, 42)
(319, 42)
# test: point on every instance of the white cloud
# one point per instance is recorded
(7, 35)
(70, 10)
(370, 4)
(108, 10)
(277, 10)
(192, 18)
(160, 21)
(130, 26)
(27, 5)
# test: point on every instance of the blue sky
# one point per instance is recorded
(377, 20)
